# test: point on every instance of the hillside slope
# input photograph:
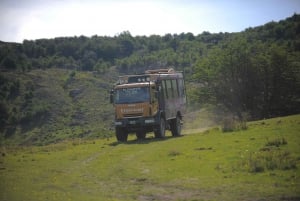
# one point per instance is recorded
(261, 163)
(54, 104)
(252, 74)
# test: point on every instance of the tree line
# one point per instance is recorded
(255, 71)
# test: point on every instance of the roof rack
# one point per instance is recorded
(160, 71)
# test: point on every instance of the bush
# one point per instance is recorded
(270, 160)
(231, 124)
(34, 113)
(4, 114)
(173, 153)
(276, 142)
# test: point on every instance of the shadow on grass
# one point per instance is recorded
(145, 141)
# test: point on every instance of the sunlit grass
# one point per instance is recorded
(211, 165)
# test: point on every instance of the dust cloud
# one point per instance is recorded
(198, 120)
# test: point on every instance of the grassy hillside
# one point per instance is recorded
(47, 106)
(253, 74)
(260, 163)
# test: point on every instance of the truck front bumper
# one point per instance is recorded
(136, 124)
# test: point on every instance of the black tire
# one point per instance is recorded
(141, 135)
(121, 135)
(161, 130)
(176, 126)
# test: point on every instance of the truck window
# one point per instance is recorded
(169, 89)
(175, 88)
(165, 89)
(181, 88)
(132, 95)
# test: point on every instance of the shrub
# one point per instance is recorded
(4, 114)
(230, 124)
(270, 160)
(276, 142)
(174, 153)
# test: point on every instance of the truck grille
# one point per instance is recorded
(133, 115)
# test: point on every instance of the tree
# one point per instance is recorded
(126, 44)
(89, 60)
(9, 62)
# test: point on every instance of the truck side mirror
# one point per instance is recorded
(111, 96)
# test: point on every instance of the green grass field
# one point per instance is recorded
(260, 163)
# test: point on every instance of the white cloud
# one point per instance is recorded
(69, 18)
(33, 19)
(98, 18)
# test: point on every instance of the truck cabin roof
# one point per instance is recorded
(133, 85)
(149, 76)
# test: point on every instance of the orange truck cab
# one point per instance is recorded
(151, 102)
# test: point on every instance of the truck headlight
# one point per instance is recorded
(149, 121)
(118, 123)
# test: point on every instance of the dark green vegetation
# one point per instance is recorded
(52, 89)
(46, 106)
(260, 163)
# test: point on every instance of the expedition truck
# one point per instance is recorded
(150, 102)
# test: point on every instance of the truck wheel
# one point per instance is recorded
(176, 126)
(140, 135)
(121, 135)
(160, 133)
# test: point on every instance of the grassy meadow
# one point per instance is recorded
(260, 163)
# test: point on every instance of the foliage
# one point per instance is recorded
(257, 78)
(47, 106)
(254, 72)
(230, 124)
(277, 142)
(269, 158)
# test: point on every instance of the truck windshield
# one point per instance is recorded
(132, 95)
